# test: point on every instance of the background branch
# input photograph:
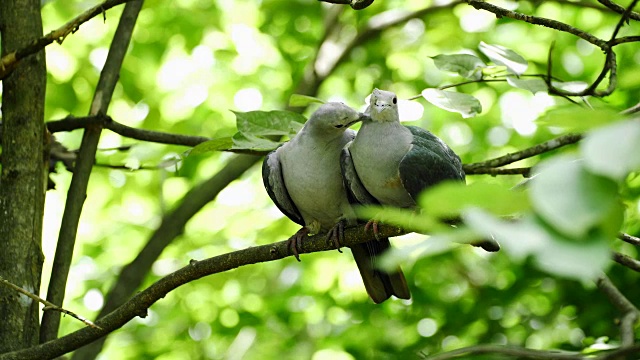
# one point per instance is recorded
(527, 153)
(139, 303)
(626, 261)
(9, 61)
(82, 169)
(629, 239)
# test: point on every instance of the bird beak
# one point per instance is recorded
(364, 117)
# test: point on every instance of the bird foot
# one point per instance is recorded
(373, 224)
(295, 242)
(335, 236)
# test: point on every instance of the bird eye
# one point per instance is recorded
(395, 100)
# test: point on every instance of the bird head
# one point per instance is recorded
(383, 106)
(333, 117)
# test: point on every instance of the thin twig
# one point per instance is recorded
(527, 153)
(623, 19)
(629, 239)
(525, 172)
(627, 261)
(48, 305)
(619, 9)
(9, 61)
(550, 23)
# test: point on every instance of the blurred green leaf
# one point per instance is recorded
(551, 251)
(464, 104)
(613, 151)
(500, 55)
(219, 144)
(577, 119)
(298, 100)
(263, 123)
(534, 85)
(465, 65)
(571, 199)
(449, 199)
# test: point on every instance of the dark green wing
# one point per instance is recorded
(429, 162)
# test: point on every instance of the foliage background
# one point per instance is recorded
(192, 61)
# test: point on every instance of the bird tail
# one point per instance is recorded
(380, 284)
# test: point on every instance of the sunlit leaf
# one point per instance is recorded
(450, 198)
(219, 144)
(577, 119)
(613, 151)
(534, 85)
(500, 55)
(570, 198)
(262, 123)
(464, 104)
(298, 100)
(465, 65)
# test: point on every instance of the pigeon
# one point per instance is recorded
(303, 178)
(391, 164)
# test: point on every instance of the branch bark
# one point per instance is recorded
(23, 177)
(139, 303)
(629, 312)
(82, 170)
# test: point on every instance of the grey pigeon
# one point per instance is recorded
(303, 179)
(390, 164)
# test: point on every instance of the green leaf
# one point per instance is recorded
(534, 85)
(613, 151)
(577, 119)
(244, 141)
(451, 198)
(551, 251)
(464, 104)
(262, 123)
(298, 100)
(219, 144)
(500, 55)
(571, 199)
(465, 65)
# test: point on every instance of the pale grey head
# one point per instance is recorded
(333, 118)
(383, 106)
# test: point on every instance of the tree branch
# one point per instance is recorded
(9, 61)
(619, 9)
(525, 172)
(627, 261)
(48, 305)
(139, 303)
(629, 239)
(526, 153)
(84, 163)
(535, 20)
(629, 312)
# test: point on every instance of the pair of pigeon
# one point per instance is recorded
(316, 177)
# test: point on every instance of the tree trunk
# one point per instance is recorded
(22, 182)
